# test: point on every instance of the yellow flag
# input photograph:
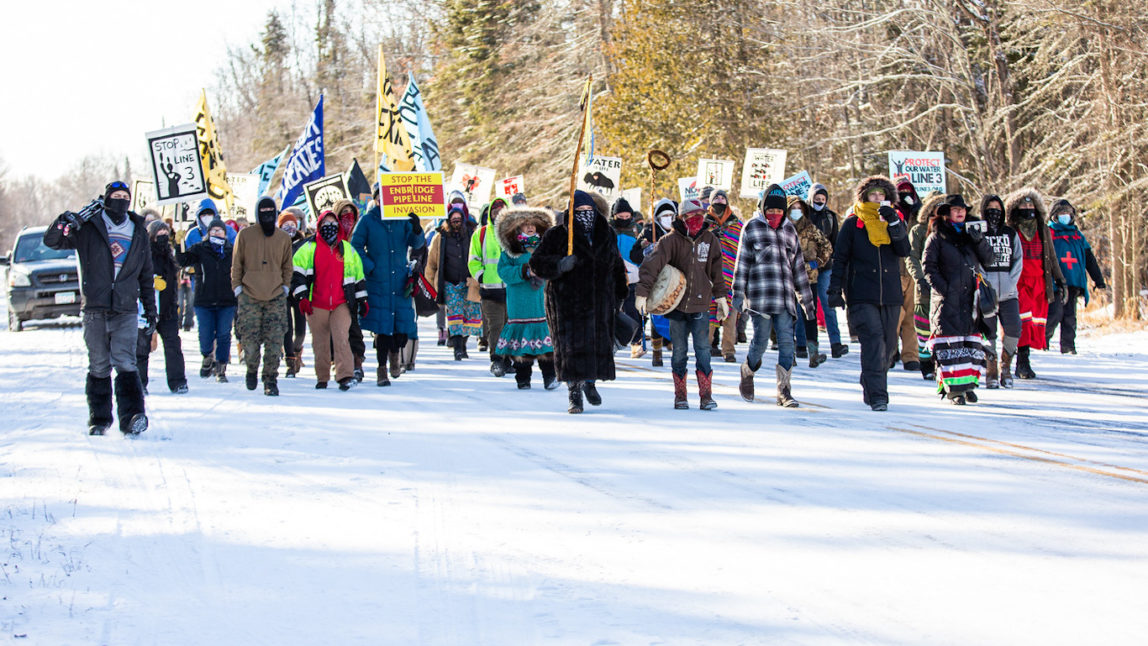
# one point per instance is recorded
(213, 167)
(392, 143)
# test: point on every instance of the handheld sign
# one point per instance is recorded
(322, 194)
(763, 166)
(925, 170)
(401, 194)
(176, 165)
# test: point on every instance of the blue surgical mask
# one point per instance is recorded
(796, 214)
(1064, 218)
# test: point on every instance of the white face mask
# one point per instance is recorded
(206, 220)
(818, 207)
(796, 214)
(666, 221)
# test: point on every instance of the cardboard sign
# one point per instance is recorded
(245, 188)
(475, 182)
(401, 194)
(322, 194)
(798, 185)
(143, 195)
(507, 188)
(717, 173)
(925, 170)
(602, 175)
(688, 189)
(763, 166)
(176, 165)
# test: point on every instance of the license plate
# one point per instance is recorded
(65, 298)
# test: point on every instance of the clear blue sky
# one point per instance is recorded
(90, 76)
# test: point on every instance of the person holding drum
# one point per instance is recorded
(692, 249)
(770, 269)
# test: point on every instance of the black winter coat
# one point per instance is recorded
(949, 260)
(213, 274)
(638, 251)
(163, 265)
(100, 288)
(865, 273)
(581, 304)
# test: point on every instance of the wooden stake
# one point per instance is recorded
(583, 106)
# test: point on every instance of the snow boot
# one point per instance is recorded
(347, 383)
(99, 392)
(815, 357)
(992, 375)
(271, 387)
(706, 390)
(358, 372)
(1023, 367)
(681, 400)
(1006, 370)
(591, 392)
(207, 365)
(746, 385)
(928, 369)
(482, 345)
(130, 403)
(497, 367)
(408, 353)
(522, 375)
(549, 379)
(252, 379)
(971, 397)
(381, 379)
(220, 373)
(784, 398)
(395, 359)
(442, 337)
(637, 351)
(656, 355)
(730, 357)
(458, 343)
(290, 361)
(575, 388)
(956, 399)
(912, 366)
(320, 385)
(838, 350)
(802, 352)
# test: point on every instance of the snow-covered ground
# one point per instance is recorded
(451, 508)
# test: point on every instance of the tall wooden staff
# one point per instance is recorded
(574, 173)
(657, 160)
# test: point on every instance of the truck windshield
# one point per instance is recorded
(30, 248)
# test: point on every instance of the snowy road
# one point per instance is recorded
(452, 509)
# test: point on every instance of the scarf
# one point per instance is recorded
(584, 223)
(875, 227)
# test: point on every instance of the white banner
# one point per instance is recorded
(602, 175)
(507, 188)
(717, 173)
(176, 164)
(245, 188)
(634, 197)
(475, 182)
(763, 166)
(925, 170)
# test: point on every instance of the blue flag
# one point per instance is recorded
(424, 146)
(306, 161)
(266, 170)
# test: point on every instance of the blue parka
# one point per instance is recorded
(383, 247)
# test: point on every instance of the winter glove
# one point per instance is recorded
(722, 308)
(149, 329)
(70, 221)
(305, 306)
(889, 215)
(566, 264)
(975, 234)
(739, 303)
(238, 291)
(836, 299)
(1062, 295)
(416, 224)
(363, 309)
(923, 287)
(639, 303)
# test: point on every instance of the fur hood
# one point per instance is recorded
(875, 181)
(512, 218)
(929, 208)
(1013, 200)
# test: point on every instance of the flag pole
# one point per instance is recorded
(583, 106)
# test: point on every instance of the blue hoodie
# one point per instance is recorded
(199, 231)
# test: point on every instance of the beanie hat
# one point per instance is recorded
(817, 189)
(154, 227)
(772, 198)
(287, 216)
(582, 198)
(216, 223)
(722, 193)
(707, 191)
(689, 206)
(117, 185)
(620, 206)
(518, 199)
(206, 205)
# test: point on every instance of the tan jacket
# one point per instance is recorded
(699, 259)
(261, 264)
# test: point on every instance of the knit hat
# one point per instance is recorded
(154, 227)
(707, 191)
(689, 206)
(518, 199)
(582, 198)
(216, 223)
(815, 190)
(117, 185)
(287, 216)
(772, 198)
(620, 206)
(720, 192)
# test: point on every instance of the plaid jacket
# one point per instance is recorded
(770, 268)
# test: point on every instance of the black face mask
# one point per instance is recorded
(623, 224)
(116, 209)
(267, 221)
(329, 232)
(718, 209)
(162, 241)
(1026, 214)
(994, 217)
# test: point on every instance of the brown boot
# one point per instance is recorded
(291, 369)
(746, 385)
(705, 390)
(656, 359)
(991, 374)
(396, 361)
(1005, 370)
(681, 402)
(784, 398)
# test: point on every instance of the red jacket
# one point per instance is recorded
(328, 290)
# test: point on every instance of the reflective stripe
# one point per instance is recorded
(361, 294)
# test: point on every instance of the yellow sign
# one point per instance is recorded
(401, 194)
(211, 153)
(392, 143)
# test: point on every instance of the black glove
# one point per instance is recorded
(1062, 294)
(363, 308)
(566, 264)
(535, 281)
(975, 233)
(70, 220)
(149, 329)
(415, 222)
(889, 214)
(836, 299)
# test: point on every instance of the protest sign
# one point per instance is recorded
(211, 153)
(634, 197)
(143, 195)
(688, 189)
(602, 175)
(306, 162)
(323, 193)
(717, 173)
(798, 185)
(475, 182)
(763, 166)
(507, 188)
(245, 188)
(925, 170)
(401, 194)
(176, 165)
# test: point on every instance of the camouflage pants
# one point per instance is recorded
(262, 323)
